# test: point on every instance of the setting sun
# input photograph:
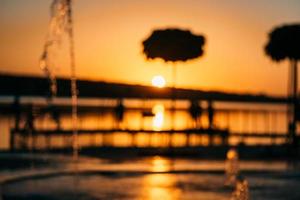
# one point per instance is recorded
(158, 81)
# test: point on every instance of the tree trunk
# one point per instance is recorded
(173, 105)
(294, 103)
(174, 73)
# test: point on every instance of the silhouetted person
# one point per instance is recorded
(195, 111)
(119, 112)
(29, 124)
(17, 111)
(211, 112)
(29, 127)
(55, 115)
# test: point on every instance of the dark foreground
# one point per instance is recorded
(162, 186)
(51, 177)
(276, 152)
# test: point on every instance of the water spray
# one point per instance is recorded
(233, 178)
(241, 191)
(73, 80)
(231, 167)
(61, 22)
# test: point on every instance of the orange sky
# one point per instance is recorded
(108, 36)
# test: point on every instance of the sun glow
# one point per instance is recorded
(158, 81)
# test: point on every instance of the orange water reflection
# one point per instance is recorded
(160, 164)
(133, 120)
(160, 186)
(158, 119)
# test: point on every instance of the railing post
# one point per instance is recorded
(12, 140)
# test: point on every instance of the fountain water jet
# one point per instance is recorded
(57, 27)
(231, 167)
(233, 178)
(241, 191)
(61, 22)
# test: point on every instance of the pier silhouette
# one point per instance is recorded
(201, 106)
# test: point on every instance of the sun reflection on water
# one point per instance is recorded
(160, 185)
(158, 119)
(160, 164)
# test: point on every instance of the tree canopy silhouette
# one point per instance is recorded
(284, 42)
(173, 45)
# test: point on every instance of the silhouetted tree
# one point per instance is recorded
(284, 43)
(173, 45)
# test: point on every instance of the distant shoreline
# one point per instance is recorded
(280, 152)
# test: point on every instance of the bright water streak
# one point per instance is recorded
(258, 122)
(61, 22)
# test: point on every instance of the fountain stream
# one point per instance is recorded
(233, 178)
(61, 22)
(231, 167)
